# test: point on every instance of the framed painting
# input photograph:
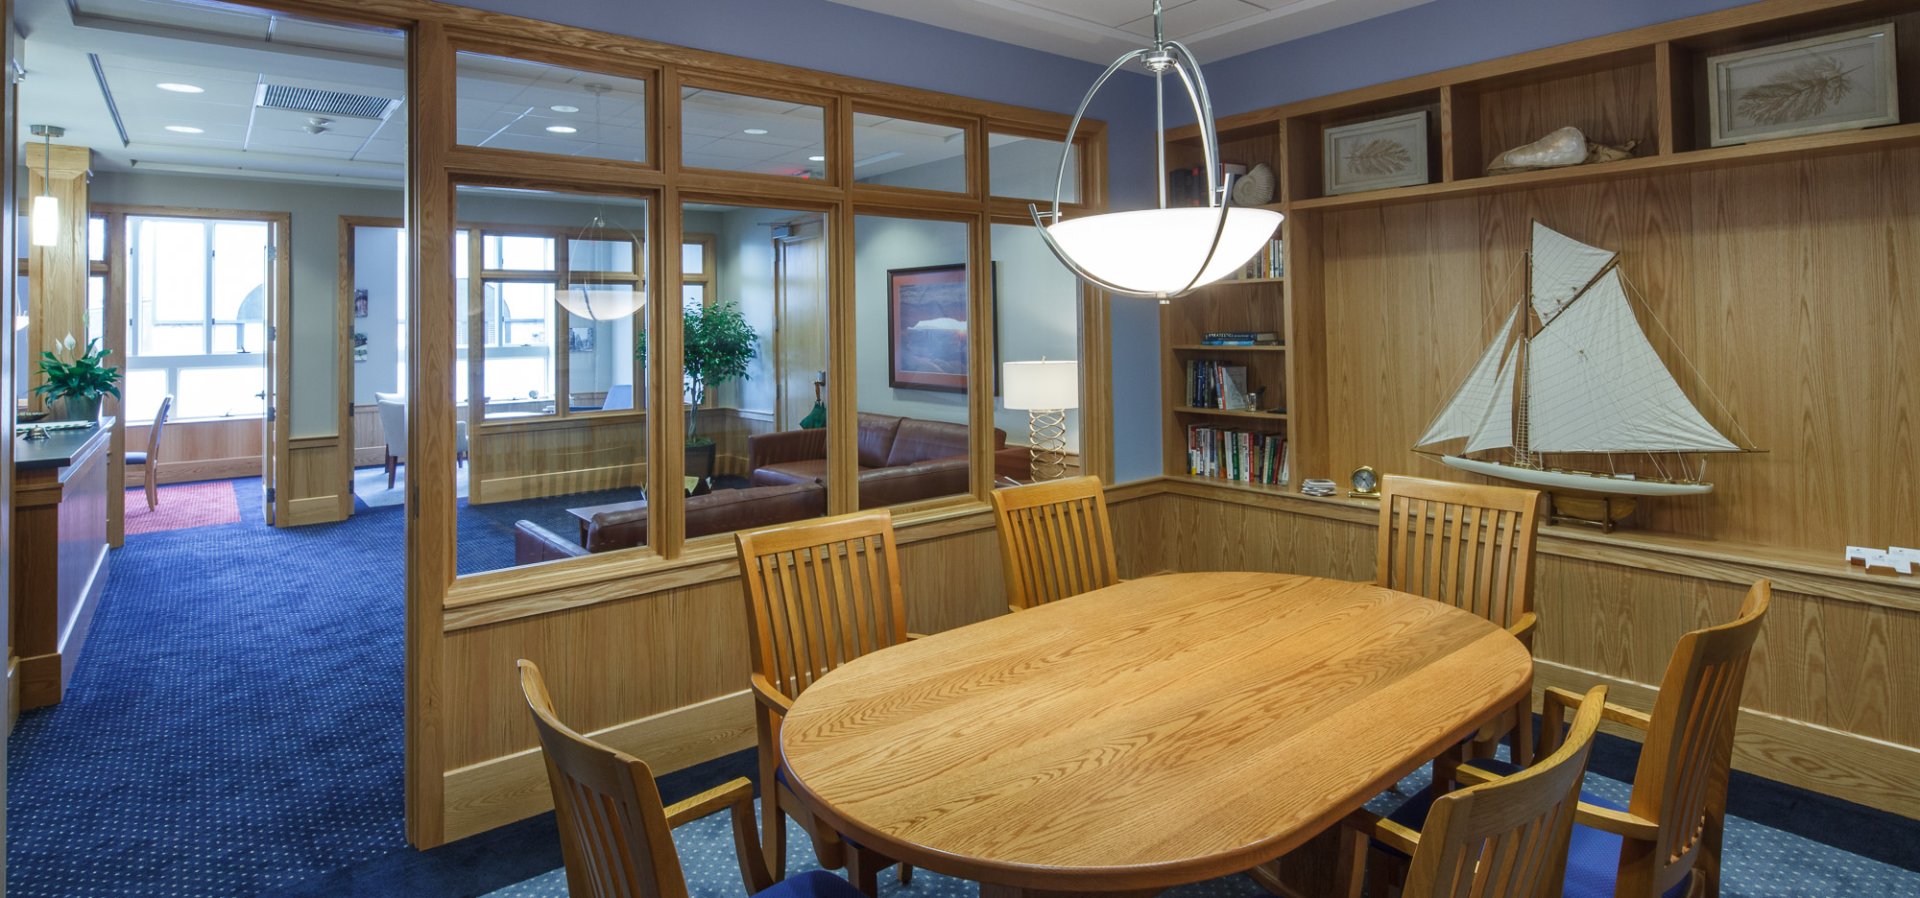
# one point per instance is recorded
(928, 327)
(1828, 83)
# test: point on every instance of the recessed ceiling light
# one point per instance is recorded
(562, 129)
(181, 88)
(816, 158)
(186, 129)
(564, 108)
(755, 131)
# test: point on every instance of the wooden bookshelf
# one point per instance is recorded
(1230, 413)
(1370, 334)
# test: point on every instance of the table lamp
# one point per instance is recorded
(1046, 390)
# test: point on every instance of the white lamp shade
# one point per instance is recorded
(1041, 385)
(1154, 252)
(45, 223)
(601, 302)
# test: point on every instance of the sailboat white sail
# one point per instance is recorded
(1585, 380)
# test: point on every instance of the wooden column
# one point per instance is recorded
(57, 301)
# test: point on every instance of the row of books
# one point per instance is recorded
(1270, 262)
(1216, 384)
(1237, 455)
(1241, 338)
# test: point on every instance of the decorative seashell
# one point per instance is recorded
(1566, 146)
(1255, 188)
(1600, 152)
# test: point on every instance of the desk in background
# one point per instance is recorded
(59, 555)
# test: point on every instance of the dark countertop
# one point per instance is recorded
(60, 448)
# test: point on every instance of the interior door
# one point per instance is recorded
(800, 327)
(273, 425)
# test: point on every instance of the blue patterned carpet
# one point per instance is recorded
(234, 729)
(234, 723)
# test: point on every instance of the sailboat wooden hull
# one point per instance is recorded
(1570, 481)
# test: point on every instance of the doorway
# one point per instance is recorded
(800, 331)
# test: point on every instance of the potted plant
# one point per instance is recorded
(718, 343)
(74, 389)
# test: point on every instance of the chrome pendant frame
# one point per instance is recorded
(1159, 58)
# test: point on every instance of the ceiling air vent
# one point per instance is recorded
(324, 102)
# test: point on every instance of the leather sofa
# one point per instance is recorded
(901, 459)
(721, 511)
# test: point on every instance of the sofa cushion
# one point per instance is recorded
(931, 479)
(720, 511)
(785, 473)
(876, 439)
(918, 440)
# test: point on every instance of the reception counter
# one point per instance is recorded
(59, 554)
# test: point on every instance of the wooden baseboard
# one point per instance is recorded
(315, 510)
(38, 681)
(1856, 768)
(197, 470)
(494, 793)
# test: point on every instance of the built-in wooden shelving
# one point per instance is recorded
(1231, 413)
(1648, 85)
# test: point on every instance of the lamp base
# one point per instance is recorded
(1047, 437)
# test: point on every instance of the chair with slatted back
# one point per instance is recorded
(1470, 546)
(1055, 540)
(1666, 841)
(1505, 838)
(616, 837)
(819, 594)
(149, 460)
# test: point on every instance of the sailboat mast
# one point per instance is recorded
(1522, 456)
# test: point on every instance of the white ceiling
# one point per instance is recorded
(1101, 30)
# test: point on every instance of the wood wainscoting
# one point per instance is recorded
(316, 493)
(214, 449)
(1830, 673)
(660, 666)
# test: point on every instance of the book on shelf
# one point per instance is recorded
(1267, 264)
(1216, 384)
(1241, 338)
(1236, 455)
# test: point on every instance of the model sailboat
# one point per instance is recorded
(1571, 371)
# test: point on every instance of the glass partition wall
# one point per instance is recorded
(762, 419)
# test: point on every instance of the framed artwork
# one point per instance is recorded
(360, 303)
(1829, 83)
(1388, 152)
(581, 339)
(927, 328)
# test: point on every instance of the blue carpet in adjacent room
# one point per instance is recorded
(234, 723)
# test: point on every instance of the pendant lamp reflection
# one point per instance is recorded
(609, 300)
(1164, 252)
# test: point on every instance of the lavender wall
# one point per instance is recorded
(1427, 38)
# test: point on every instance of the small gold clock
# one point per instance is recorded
(1365, 482)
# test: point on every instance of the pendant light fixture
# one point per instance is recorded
(1164, 252)
(44, 220)
(602, 301)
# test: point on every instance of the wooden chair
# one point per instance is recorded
(1505, 838)
(1472, 547)
(616, 837)
(1055, 540)
(150, 459)
(819, 594)
(1672, 825)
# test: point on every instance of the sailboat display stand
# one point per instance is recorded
(1571, 372)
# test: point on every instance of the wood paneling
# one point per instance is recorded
(315, 492)
(1764, 276)
(556, 457)
(1828, 678)
(59, 568)
(200, 450)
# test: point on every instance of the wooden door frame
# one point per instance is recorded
(278, 328)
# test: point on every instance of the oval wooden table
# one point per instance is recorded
(1158, 732)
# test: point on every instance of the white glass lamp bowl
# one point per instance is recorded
(1155, 252)
(602, 302)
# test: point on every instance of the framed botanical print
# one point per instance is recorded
(1828, 83)
(1388, 152)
